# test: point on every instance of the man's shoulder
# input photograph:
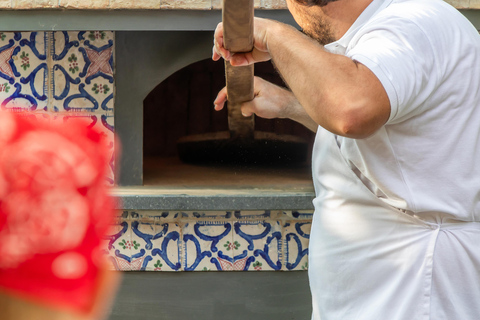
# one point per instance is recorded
(418, 11)
(434, 19)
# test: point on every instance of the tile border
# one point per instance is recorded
(209, 241)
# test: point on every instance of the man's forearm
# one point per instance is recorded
(296, 112)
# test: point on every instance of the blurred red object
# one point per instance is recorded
(54, 210)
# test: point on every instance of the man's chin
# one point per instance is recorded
(321, 34)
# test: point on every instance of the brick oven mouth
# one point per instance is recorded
(181, 106)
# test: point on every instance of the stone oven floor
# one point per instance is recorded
(172, 173)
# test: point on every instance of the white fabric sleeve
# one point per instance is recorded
(400, 54)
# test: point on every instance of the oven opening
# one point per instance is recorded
(182, 106)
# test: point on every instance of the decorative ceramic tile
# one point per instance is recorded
(67, 73)
(83, 71)
(200, 241)
(23, 71)
(141, 236)
(159, 247)
(207, 245)
(259, 245)
(170, 250)
(296, 238)
(118, 245)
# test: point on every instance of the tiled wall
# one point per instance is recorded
(210, 241)
(60, 76)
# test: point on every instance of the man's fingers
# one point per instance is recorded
(239, 59)
(218, 30)
(220, 51)
(215, 54)
(218, 48)
(248, 108)
(244, 59)
(220, 99)
(246, 113)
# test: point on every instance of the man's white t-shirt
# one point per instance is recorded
(426, 159)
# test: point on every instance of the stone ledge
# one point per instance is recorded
(130, 4)
(156, 198)
(163, 4)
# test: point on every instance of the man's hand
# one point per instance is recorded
(260, 47)
(270, 102)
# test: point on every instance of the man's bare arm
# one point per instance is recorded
(339, 94)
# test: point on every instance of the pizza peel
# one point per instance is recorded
(241, 144)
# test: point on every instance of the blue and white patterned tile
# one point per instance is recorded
(207, 245)
(83, 71)
(296, 239)
(66, 72)
(159, 246)
(167, 252)
(24, 71)
(118, 243)
(259, 244)
(141, 235)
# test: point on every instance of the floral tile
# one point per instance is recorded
(141, 236)
(23, 71)
(259, 245)
(117, 245)
(83, 71)
(207, 245)
(296, 239)
(167, 244)
(157, 247)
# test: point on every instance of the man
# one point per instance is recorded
(393, 88)
(54, 211)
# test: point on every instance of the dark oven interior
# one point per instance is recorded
(182, 105)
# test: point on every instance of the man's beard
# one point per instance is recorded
(320, 31)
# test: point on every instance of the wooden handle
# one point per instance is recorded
(238, 37)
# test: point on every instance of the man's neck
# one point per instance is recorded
(343, 13)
